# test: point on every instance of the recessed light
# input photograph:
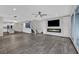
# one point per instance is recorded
(14, 9)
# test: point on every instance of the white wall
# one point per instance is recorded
(66, 28)
(65, 25)
(1, 26)
(44, 26)
(18, 27)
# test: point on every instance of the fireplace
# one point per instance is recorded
(58, 30)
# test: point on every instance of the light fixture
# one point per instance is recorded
(14, 9)
(40, 14)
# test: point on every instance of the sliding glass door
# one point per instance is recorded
(75, 28)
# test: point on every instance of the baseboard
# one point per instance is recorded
(17, 32)
(78, 51)
(58, 36)
(75, 46)
(26, 33)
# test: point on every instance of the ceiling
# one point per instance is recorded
(24, 12)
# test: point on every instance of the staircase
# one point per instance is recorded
(36, 26)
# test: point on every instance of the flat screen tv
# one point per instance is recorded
(54, 23)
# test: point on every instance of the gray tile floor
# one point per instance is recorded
(22, 43)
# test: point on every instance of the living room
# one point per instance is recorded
(25, 25)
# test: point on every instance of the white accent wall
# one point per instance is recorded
(65, 25)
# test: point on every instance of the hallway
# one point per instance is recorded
(22, 43)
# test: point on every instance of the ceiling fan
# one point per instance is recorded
(39, 14)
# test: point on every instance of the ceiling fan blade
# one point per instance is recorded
(14, 16)
(44, 15)
(34, 14)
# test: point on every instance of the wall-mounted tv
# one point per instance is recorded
(54, 23)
